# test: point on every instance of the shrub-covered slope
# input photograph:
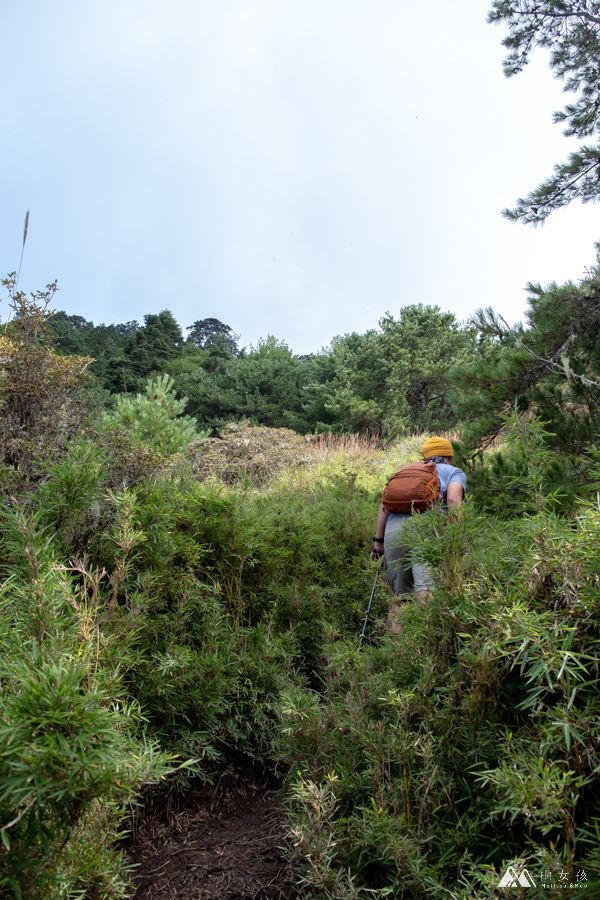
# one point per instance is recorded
(158, 624)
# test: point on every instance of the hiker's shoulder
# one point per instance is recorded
(450, 472)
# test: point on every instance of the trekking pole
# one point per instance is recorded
(369, 606)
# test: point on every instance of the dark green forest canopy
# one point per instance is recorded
(386, 381)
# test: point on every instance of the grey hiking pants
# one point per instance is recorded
(403, 574)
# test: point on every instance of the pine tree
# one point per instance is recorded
(206, 333)
(398, 378)
(570, 29)
(147, 352)
(550, 366)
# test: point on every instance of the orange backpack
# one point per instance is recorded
(412, 489)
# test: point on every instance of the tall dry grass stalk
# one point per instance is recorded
(25, 230)
(328, 443)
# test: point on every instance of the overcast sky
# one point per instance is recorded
(291, 167)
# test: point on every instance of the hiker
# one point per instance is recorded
(403, 576)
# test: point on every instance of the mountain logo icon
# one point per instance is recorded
(512, 878)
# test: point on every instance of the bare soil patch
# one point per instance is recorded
(224, 841)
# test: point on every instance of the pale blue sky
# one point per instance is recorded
(293, 167)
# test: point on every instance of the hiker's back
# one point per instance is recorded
(412, 489)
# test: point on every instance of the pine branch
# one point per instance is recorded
(571, 31)
(540, 13)
(578, 178)
(562, 368)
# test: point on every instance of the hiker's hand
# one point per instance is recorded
(375, 552)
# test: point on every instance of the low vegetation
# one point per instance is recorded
(174, 603)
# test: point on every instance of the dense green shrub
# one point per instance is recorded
(148, 613)
(433, 760)
(73, 753)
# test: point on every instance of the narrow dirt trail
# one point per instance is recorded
(219, 843)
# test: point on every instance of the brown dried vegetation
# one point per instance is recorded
(41, 401)
(249, 453)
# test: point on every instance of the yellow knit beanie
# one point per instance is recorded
(437, 446)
